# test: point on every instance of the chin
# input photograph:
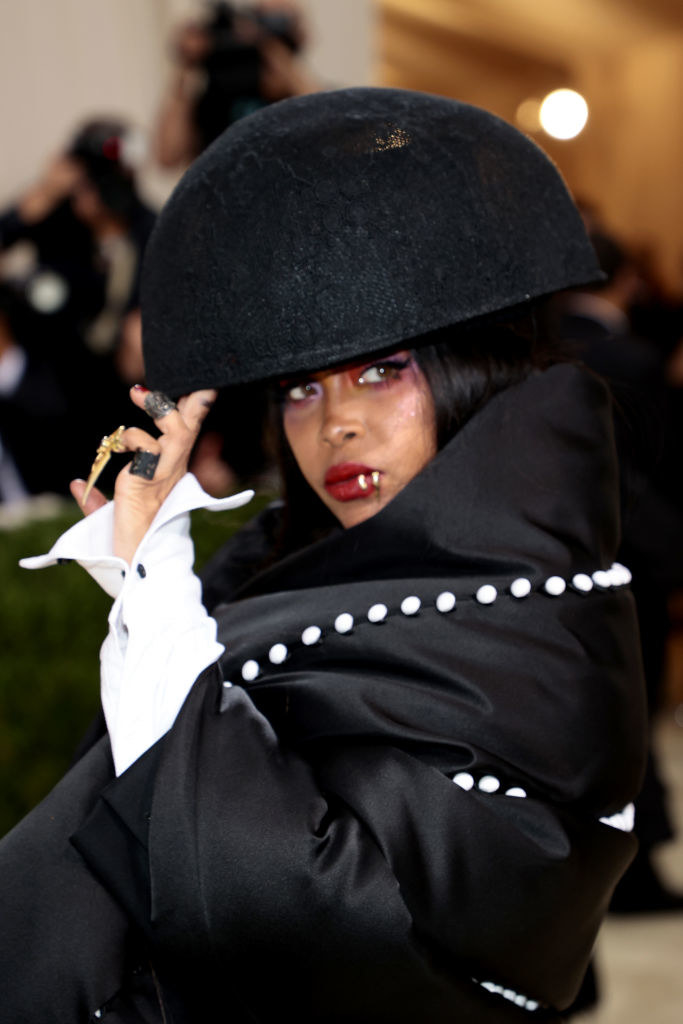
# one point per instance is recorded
(353, 516)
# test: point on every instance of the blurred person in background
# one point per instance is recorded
(596, 324)
(85, 228)
(234, 61)
(228, 64)
(34, 432)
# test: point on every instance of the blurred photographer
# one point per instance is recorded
(34, 416)
(87, 227)
(83, 228)
(231, 63)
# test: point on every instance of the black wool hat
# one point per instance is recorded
(336, 224)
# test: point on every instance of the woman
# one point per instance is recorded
(398, 788)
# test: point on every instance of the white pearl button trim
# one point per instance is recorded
(554, 586)
(344, 623)
(378, 613)
(620, 575)
(411, 605)
(582, 582)
(508, 993)
(250, 671)
(623, 820)
(487, 784)
(520, 587)
(277, 654)
(445, 602)
(311, 635)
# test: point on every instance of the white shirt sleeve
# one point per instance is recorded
(160, 635)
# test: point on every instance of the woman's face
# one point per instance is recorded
(360, 433)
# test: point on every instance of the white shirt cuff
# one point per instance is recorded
(160, 636)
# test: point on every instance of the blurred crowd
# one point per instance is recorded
(71, 249)
(627, 330)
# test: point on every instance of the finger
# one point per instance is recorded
(195, 407)
(134, 439)
(95, 499)
(144, 464)
(158, 407)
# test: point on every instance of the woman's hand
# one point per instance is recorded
(138, 498)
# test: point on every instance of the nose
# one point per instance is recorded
(342, 420)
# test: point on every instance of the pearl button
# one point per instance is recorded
(531, 1004)
(554, 586)
(411, 605)
(250, 671)
(464, 780)
(311, 635)
(582, 582)
(226, 684)
(489, 784)
(445, 602)
(520, 587)
(378, 613)
(486, 594)
(601, 579)
(624, 573)
(277, 654)
(344, 623)
(515, 791)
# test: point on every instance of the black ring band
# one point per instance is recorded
(144, 464)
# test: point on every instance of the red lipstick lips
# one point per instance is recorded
(351, 480)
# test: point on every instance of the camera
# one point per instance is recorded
(233, 63)
(235, 38)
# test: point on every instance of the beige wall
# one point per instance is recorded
(627, 60)
(65, 60)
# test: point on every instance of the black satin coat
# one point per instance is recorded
(295, 845)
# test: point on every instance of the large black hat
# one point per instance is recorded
(340, 223)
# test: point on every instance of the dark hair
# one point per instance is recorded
(463, 366)
(98, 146)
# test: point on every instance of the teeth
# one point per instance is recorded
(375, 478)
(362, 482)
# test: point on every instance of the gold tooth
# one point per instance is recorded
(362, 482)
(375, 478)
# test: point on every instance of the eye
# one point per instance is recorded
(379, 373)
(300, 392)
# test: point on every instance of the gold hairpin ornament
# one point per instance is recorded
(109, 444)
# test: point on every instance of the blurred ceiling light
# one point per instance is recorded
(528, 115)
(563, 113)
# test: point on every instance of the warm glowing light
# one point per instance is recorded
(527, 115)
(563, 113)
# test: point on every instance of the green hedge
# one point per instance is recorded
(52, 623)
